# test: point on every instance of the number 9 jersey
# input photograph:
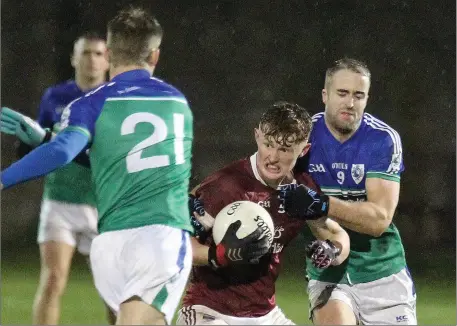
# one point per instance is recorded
(341, 170)
(141, 132)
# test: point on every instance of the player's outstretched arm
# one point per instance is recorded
(326, 229)
(372, 217)
(46, 158)
(30, 134)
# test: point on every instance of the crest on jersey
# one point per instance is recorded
(395, 164)
(358, 172)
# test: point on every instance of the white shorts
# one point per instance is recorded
(390, 300)
(201, 315)
(151, 262)
(73, 224)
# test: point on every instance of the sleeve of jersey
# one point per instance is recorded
(81, 114)
(45, 158)
(217, 191)
(45, 110)
(386, 160)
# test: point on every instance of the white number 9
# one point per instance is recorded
(340, 176)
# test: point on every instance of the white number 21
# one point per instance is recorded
(135, 162)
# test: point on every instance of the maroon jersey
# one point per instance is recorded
(249, 290)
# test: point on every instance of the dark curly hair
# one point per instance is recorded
(286, 123)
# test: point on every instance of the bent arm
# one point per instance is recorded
(372, 217)
(46, 158)
(324, 228)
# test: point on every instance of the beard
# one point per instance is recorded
(343, 127)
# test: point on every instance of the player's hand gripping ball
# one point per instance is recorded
(242, 232)
(252, 217)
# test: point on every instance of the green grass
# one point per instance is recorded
(81, 305)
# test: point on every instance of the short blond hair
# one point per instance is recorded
(132, 35)
(353, 65)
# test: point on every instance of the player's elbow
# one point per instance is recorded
(376, 232)
(381, 225)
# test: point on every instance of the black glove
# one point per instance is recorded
(196, 206)
(322, 253)
(283, 190)
(234, 251)
(304, 202)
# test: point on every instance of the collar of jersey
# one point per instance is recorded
(253, 160)
(76, 88)
(336, 141)
(133, 75)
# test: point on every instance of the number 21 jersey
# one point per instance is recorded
(141, 142)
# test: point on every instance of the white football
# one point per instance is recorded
(251, 215)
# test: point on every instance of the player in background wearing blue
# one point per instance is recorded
(357, 160)
(139, 130)
(68, 218)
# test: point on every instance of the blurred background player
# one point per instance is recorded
(226, 292)
(68, 218)
(140, 132)
(357, 160)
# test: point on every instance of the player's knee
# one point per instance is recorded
(54, 282)
(334, 312)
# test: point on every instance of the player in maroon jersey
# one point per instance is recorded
(225, 292)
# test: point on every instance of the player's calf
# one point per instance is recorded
(55, 264)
